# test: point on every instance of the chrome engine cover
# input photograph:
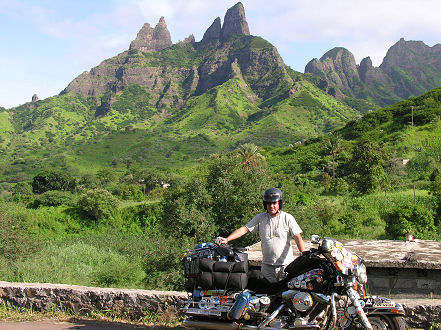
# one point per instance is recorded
(302, 301)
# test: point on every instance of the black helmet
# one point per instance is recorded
(273, 195)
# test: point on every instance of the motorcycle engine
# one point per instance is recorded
(302, 301)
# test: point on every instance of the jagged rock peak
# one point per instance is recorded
(335, 52)
(365, 67)
(405, 54)
(366, 62)
(34, 98)
(235, 22)
(213, 32)
(314, 66)
(189, 40)
(149, 39)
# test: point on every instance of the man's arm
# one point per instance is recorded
(234, 235)
(299, 242)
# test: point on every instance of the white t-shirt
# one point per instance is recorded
(275, 234)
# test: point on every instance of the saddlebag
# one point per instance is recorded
(216, 267)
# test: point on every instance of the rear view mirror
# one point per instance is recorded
(315, 239)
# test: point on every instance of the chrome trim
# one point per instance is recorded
(271, 317)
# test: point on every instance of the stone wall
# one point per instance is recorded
(423, 315)
(134, 303)
(82, 300)
(414, 282)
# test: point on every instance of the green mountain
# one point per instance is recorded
(409, 131)
(409, 68)
(167, 105)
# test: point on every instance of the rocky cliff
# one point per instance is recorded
(173, 73)
(235, 22)
(409, 68)
(149, 39)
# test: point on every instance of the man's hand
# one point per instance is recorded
(220, 240)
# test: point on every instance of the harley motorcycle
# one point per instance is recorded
(324, 289)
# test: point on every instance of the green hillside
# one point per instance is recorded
(77, 136)
(163, 147)
(406, 134)
(122, 189)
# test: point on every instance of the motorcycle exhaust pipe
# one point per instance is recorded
(198, 324)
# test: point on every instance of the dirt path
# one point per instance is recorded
(75, 325)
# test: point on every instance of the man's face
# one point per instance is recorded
(272, 208)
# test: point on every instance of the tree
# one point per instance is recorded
(236, 190)
(250, 156)
(99, 204)
(132, 191)
(22, 192)
(53, 180)
(106, 176)
(148, 178)
(333, 144)
(367, 165)
(54, 198)
(435, 191)
(187, 210)
(409, 217)
(225, 194)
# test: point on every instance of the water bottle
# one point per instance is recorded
(240, 306)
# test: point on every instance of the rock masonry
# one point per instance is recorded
(136, 303)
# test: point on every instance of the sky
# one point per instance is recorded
(45, 44)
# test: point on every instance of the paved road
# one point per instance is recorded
(74, 325)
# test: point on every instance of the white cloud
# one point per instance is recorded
(82, 37)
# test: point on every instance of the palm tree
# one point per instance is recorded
(250, 156)
(333, 144)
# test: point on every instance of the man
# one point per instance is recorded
(276, 229)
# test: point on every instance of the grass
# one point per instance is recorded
(166, 320)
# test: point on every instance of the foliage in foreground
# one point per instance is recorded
(165, 320)
(99, 237)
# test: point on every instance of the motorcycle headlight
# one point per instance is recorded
(361, 274)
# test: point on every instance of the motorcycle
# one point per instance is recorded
(324, 289)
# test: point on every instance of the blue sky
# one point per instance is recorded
(45, 44)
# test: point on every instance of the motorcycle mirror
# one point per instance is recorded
(315, 239)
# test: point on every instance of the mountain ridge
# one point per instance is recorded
(409, 68)
(169, 105)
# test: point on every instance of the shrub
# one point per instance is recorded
(353, 223)
(132, 192)
(301, 198)
(163, 262)
(408, 217)
(339, 186)
(22, 192)
(16, 240)
(88, 181)
(98, 204)
(146, 216)
(54, 198)
(435, 191)
(81, 263)
(52, 180)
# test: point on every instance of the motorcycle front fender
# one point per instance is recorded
(381, 305)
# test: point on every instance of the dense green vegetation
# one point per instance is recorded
(113, 196)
